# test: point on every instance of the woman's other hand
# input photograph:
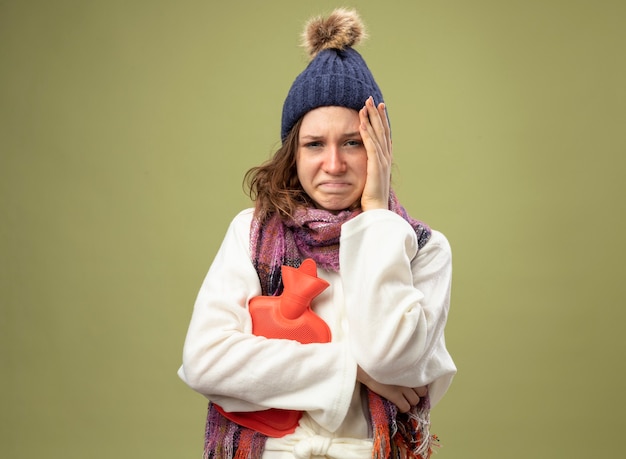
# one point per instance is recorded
(403, 397)
(376, 135)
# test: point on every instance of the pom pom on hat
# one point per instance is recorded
(342, 29)
(337, 75)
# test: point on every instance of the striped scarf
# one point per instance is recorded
(314, 233)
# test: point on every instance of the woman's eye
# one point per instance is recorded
(313, 145)
(354, 143)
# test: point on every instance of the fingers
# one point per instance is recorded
(370, 139)
(384, 121)
(402, 405)
(403, 397)
(411, 397)
(421, 391)
(375, 132)
(376, 126)
(373, 114)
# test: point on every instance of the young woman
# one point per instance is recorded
(365, 391)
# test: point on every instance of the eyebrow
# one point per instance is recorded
(311, 137)
(321, 137)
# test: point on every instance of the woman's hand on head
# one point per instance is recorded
(403, 397)
(376, 135)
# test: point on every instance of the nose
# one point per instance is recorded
(333, 161)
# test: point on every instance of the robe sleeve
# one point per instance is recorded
(397, 301)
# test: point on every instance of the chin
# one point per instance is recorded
(339, 206)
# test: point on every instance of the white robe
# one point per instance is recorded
(387, 310)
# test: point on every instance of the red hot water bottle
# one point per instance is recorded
(287, 316)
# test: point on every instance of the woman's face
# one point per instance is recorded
(331, 160)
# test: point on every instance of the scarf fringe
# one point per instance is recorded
(380, 414)
(401, 435)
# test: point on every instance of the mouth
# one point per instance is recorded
(334, 184)
(334, 187)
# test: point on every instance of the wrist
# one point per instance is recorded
(374, 205)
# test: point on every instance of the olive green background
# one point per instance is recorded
(125, 131)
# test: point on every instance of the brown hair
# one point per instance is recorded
(274, 186)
